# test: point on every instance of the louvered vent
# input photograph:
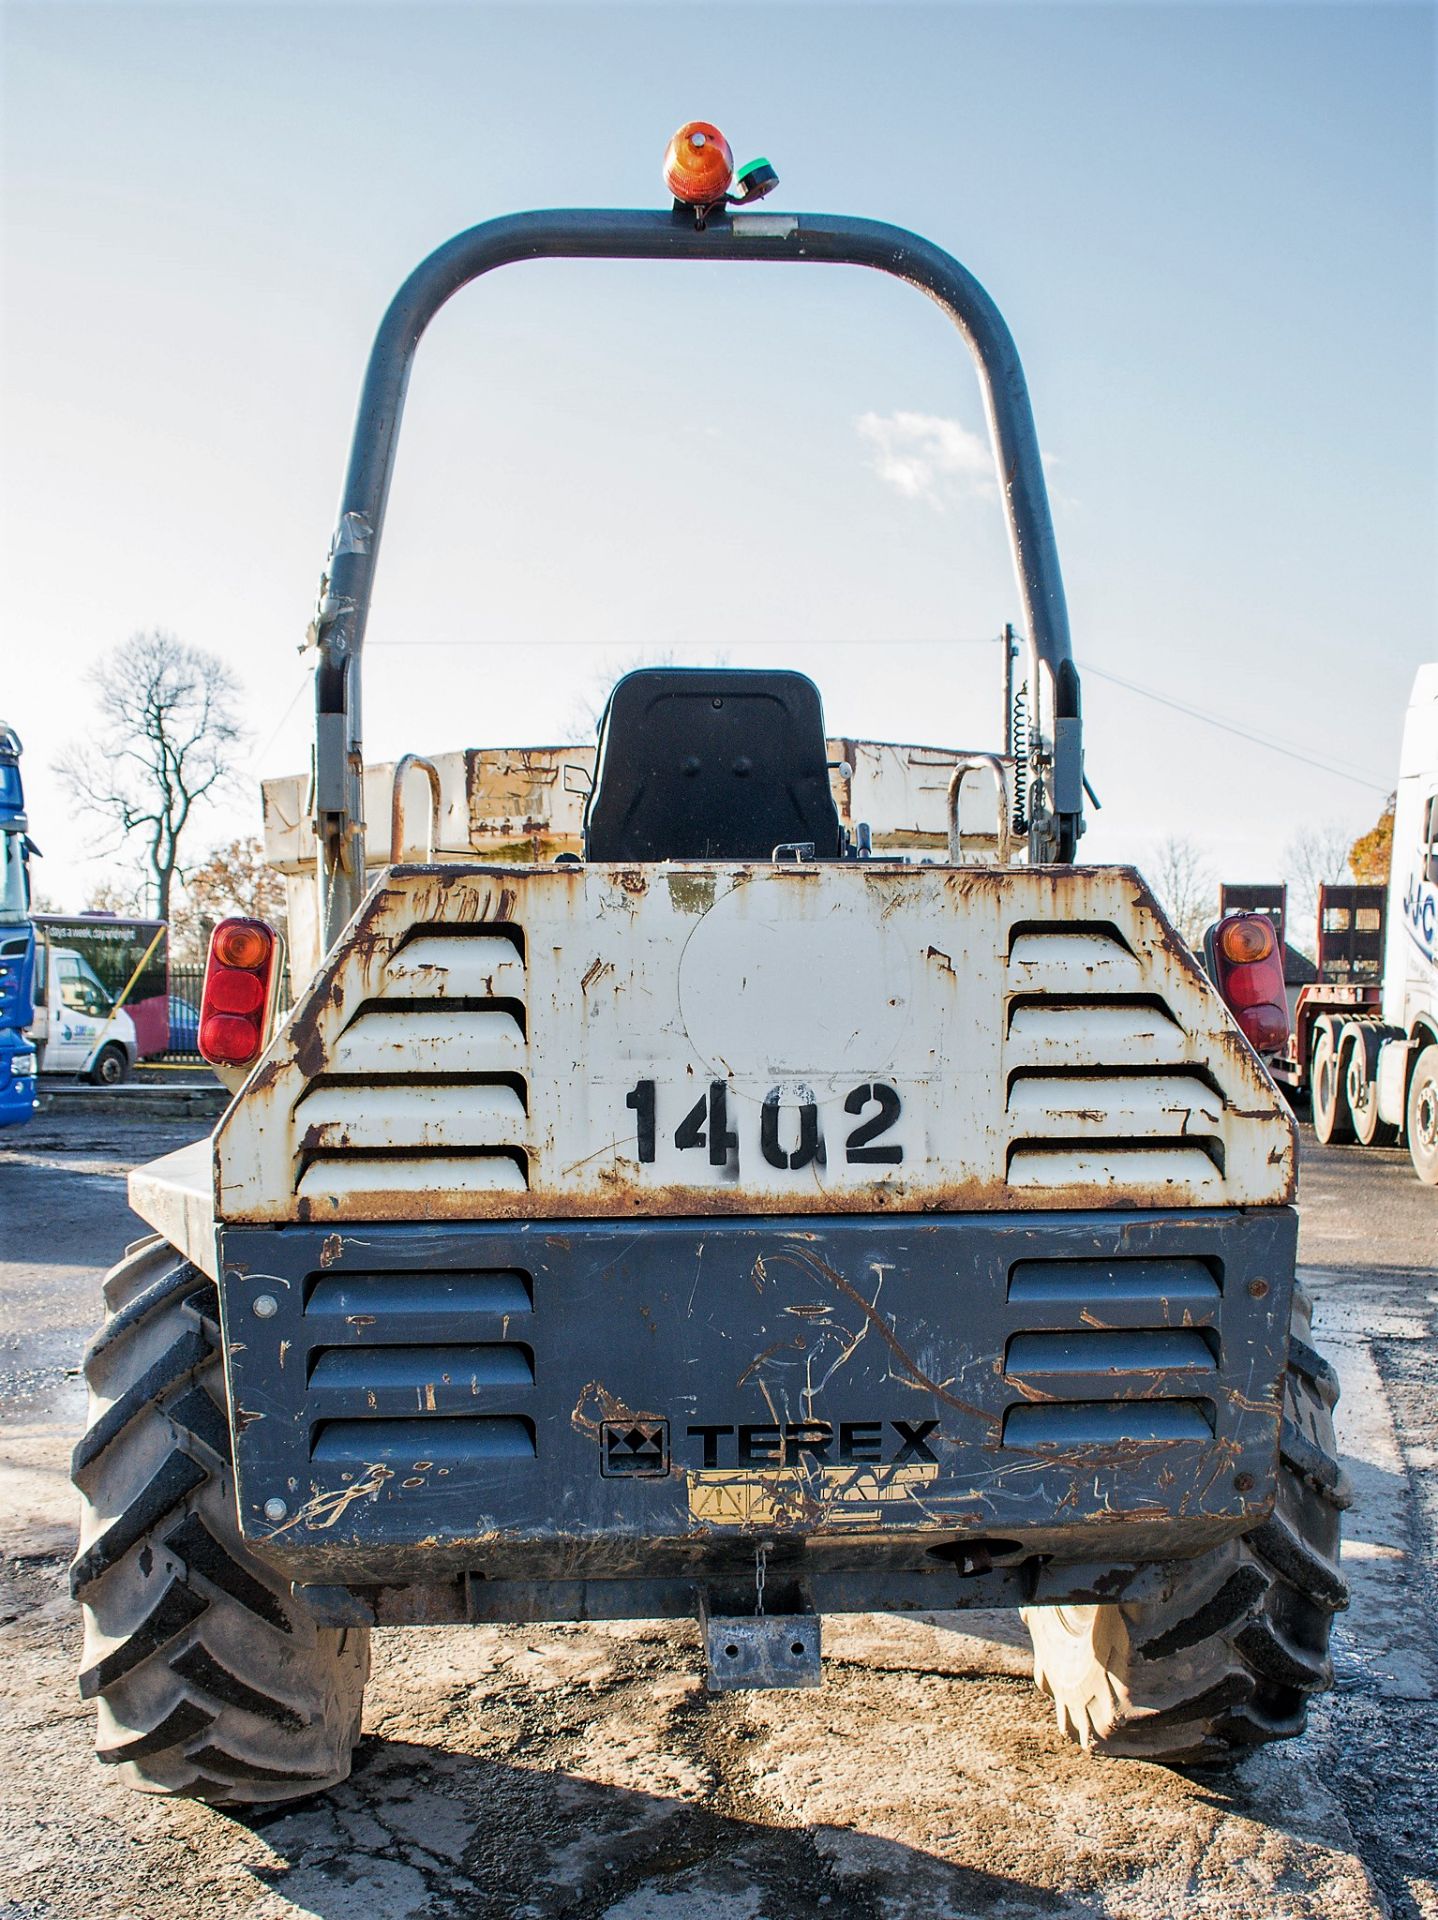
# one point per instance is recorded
(1113, 1352)
(1100, 1089)
(414, 1369)
(426, 1085)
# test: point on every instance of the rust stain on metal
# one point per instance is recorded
(331, 1248)
(795, 1344)
(265, 1078)
(596, 971)
(306, 1033)
(324, 1509)
(807, 1257)
(617, 1196)
(607, 1406)
(692, 892)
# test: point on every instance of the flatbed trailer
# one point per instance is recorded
(1362, 1045)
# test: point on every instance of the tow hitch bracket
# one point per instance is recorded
(758, 1649)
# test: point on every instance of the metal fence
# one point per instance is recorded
(187, 980)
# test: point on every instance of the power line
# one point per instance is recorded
(1336, 769)
(828, 640)
(260, 752)
(1241, 733)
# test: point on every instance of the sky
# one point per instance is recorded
(1211, 229)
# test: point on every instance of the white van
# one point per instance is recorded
(77, 1028)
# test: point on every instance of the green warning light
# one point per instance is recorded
(754, 179)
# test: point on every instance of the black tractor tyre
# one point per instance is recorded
(1423, 1117)
(211, 1681)
(111, 1066)
(1332, 1122)
(1232, 1657)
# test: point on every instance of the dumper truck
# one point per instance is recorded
(676, 1194)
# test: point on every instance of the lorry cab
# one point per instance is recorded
(17, 941)
(17, 1052)
(77, 1026)
(1410, 973)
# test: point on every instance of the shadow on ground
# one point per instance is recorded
(467, 1837)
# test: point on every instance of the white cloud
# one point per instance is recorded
(926, 456)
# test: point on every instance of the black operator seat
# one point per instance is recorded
(711, 763)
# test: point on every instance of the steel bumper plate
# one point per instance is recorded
(596, 1400)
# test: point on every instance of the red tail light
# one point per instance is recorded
(1248, 969)
(236, 994)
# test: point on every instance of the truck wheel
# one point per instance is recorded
(1230, 1659)
(1332, 1122)
(211, 1681)
(1423, 1117)
(1361, 1094)
(111, 1066)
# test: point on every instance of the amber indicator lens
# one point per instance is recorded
(1246, 938)
(240, 943)
(698, 164)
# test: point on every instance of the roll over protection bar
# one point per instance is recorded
(601, 234)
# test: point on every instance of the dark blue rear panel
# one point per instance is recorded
(604, 1400)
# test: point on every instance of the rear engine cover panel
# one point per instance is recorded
(581, 1400)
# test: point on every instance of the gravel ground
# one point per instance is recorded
(583, 1772)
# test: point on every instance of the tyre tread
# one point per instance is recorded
(178, 1360)
(1232, 1656)
(211, 1680)
(177, 1476)
(202, 1553)
(175, 1609)
(180, 1724)
(181, 1282)
(204, 1671)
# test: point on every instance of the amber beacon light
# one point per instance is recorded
(235, 1001)
(698, 164)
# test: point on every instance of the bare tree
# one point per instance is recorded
(1184, 883)
(1315, 855)
(122, 894)
(167, 733)
(231, 879)
(587, 709)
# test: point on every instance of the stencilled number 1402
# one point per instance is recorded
(790, 1132)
